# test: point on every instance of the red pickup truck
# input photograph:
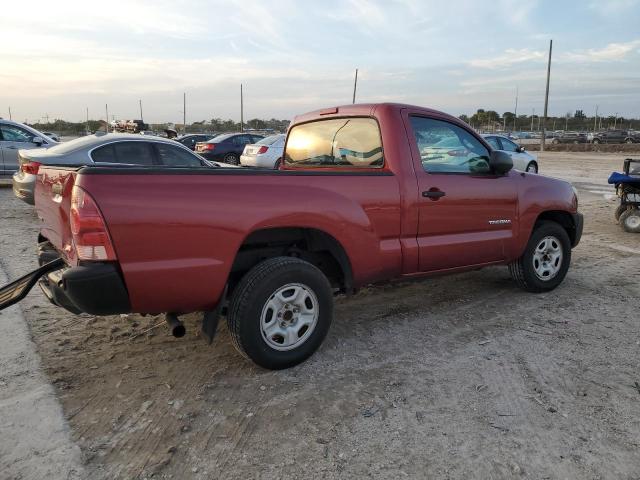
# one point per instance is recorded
(365, 194)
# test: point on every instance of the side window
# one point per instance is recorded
(493, 141)
(133, 153)
(448, 148)
(341, 142)
(241, 140)
(104, 154)
(256, 138)
(508, 145)
(176, 157)
(11, 133)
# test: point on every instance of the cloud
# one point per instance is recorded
(510, 57)
(613, 51)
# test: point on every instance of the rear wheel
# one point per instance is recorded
(546, 259)
(231, 159)
(596, 141)
(630, 220)
(532, 167)
(629, 140)
(555, 141)
(280, 312)
(620, 209)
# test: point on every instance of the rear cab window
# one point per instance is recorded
(353, 142)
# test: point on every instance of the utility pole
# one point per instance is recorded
(355, 85)
(515, 112)
(184, 112)
(615, 121)
(10, 113)
(106, 111)
(595, 120)
(546, 97)
(47, 117)
(566, 122)
(141, 117)
(241, 110)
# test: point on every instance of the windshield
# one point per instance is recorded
(270, 140)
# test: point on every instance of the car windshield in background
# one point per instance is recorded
(221, 138)
(346, 142)
(270, 140)
(73, 145)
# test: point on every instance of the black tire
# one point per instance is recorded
(522, 270)
(532, 167)
(555, 141)
(250, 298)
(276, 166)
(620, 209)
(231, 159)
(628, 141)
(630, 220)
(595, 141)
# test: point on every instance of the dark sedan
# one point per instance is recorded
(227, 148)
(191, 139)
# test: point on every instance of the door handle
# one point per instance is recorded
(433, 194)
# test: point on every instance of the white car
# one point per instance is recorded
(267, 153)
(522, 160)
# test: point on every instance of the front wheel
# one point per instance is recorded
(546, 259)
(280, 312)
(595, 141)
(532, 167)
(630, 220)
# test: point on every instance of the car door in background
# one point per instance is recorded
(12, 139)
(520, 159)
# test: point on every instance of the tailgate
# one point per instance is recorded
(53, 202)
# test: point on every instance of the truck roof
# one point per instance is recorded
(367, 109)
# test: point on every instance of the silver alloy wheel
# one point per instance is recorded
(547, 258)
(531, 168)
(289, 316)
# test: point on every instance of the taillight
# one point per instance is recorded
(210, 146)
(263, 149)
(90, 235)
(30, 167)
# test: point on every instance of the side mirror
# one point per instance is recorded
(500, 162)
(520, 149)
(37, 140)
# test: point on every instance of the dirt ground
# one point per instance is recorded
(455, 377)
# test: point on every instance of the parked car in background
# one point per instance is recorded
(610, 136)
(16, 136)
(191, 139)
(102, 149)
(52, 136)
(272, 247)
(267, 153)
(227, 147)
(568, 137)
(522, 160)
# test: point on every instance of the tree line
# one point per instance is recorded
(490, 120)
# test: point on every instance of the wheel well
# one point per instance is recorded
(562, 218)
(314, 246)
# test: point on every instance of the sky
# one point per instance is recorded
(294, 56)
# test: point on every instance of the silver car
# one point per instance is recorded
(16, 136)
(103, 149)
(522, 160)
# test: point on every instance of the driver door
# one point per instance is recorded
(466, 213)
(12, 139)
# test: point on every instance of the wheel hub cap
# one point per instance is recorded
(289, 316)
(547, 258)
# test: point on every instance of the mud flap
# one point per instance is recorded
(18, 289)
(211, 319)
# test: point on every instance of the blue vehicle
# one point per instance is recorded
(227, 147)
(628, 189)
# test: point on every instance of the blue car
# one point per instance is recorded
(227, 147)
